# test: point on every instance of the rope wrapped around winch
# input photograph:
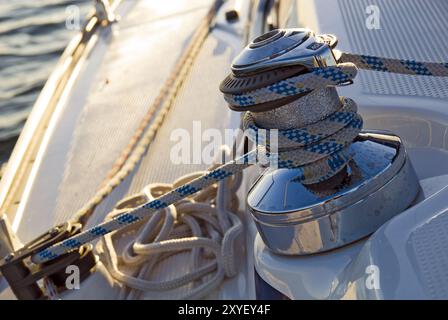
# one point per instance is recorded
(329, 152)
(318, 150)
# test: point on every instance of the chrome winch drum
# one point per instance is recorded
(378, 182)
(295, 219)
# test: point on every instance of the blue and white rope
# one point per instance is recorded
(137, 214)
(317, 151)
(317, 78)
(402, 66)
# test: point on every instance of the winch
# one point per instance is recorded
(374, 181)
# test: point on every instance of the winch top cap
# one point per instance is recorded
(280, 47)
(266, 38)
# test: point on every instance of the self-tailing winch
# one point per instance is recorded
(347, 183)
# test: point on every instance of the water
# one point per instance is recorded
(33, 35)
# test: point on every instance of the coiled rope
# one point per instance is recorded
(205, 224)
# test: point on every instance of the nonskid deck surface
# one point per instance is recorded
(113, 91)
(408, 29)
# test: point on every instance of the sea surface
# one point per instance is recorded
(33, 35)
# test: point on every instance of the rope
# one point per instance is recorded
(50, 289)
(317, 78)
(140, 212)
(317, 151)
(206, 225)
(410, 67)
